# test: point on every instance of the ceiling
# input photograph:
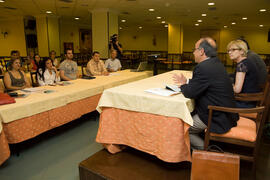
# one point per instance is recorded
(136, 13)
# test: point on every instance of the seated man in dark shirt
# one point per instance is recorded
(210, 85)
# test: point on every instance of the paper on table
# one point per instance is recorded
(32, 90)
(173, 87)
(161, 91)
(114, 74)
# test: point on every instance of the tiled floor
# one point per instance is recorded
(55, 155)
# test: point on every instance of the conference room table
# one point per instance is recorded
(152, 123)
(53, 106)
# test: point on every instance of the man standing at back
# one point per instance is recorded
(210, 85)
(68, 68)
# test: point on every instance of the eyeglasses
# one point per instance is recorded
(194, 49)
(233, 49)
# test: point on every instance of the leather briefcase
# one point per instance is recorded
(214, 166)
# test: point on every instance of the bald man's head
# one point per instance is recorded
(209, 45)
(211, 41)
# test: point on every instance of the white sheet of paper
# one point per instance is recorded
(161, 91)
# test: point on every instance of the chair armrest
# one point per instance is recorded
(237, 110)
(249, 96)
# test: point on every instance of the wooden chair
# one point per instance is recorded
(187, 60)
(33, 76)
(259, 97)
(3, 84)
(247, 133)
(83, 66)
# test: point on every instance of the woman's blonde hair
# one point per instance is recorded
(241, 45)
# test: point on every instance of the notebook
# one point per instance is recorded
(141, 67)
(88, 77)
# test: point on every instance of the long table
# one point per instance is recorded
(40, 112)
(151, 123)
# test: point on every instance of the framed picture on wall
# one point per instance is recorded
(86, 41)
(68, 45)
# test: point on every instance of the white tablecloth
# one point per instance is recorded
(79, 89)
(133, 97)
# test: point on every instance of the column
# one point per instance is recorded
(42, 35)
(53, 34)
(175, 38)
(47, 35)
(104, 24)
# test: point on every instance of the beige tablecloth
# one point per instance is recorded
(132, 97)
(79, 89)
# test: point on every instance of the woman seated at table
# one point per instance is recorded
(47, 74)
(14, 78)
(56, 62)
(35, 63)
(245, 79)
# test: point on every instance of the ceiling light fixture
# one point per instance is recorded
(123, 20)
(151, 10)
(196, 24)
(261, 25)
(2, 1)
(233, 23)
(166, 25)
(225, 26)
(203, 14)
(211, 4)
(163, 22)
(158, 17)
(140, 27)
(76, 18)
(199, 20)
(48, 12)
(244, 18)
(262, 10)
(120, 27)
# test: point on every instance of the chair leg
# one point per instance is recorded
(255, 155)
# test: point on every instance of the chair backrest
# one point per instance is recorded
(33, 76)
(260, 121)
(2, 83)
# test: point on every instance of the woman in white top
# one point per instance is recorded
(47, 74)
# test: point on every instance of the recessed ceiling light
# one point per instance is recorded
(151, 10)
(233, 23)
(2, 0)
(76, 18)
(196, 24)
(140, 27)
(203, 14)
(199, 20)
(48, 12)
(211, 4)
(158, 17)
(262, 10)
(123, 20)
(120, 27)
(225, 26)
(166, 25)
(244, 18)
(261, 25)
(163, 22)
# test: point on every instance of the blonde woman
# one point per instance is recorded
(246, 75)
